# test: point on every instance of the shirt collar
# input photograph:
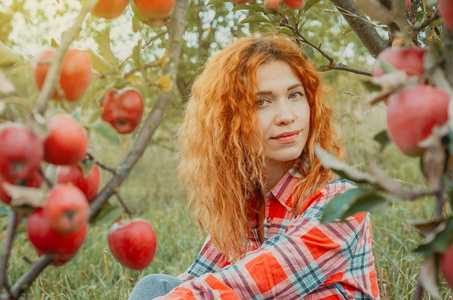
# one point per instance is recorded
(283, 190)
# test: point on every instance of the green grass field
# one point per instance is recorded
(154, 195)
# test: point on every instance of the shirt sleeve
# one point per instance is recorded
(292, 264)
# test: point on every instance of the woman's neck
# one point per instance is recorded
(275, 172)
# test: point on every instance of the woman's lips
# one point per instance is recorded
(288, 137)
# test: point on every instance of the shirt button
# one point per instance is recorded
(268, 220)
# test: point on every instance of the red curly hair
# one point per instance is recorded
(220, 166)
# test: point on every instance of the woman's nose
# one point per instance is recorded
(284, 113)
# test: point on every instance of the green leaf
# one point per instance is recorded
(309, 4)
(439, 240)
(371, 86)
(8, 57)
(100, 64)
(385, 66)
(136, 54)
(104, 47)
(254, 19)
(254, 7)
(287, 31)
(383, 139)
(310, 52)
(86, 165)
(109, 214)
(350, 203)
(4, 211)
(211, 2)
(96, 115)
(106, 130)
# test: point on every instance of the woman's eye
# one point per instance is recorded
(261, 102)
(296, 94)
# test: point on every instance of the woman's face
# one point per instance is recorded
(283, 113)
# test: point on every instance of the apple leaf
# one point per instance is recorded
(104, 47)
(106, 130)
(383, 139)
(287, 31)
(350, 203)
(109, 214)
(309, 4)
(22, 195)
(96, 115)
(135, 24)
(100, 64)
(6, 87)
(254, 19)
(310, 52)
(86, 165)
(437, 240)
(428, 277)
(341, 168)
(434, 157)
(8, 57)
(77, 114)
(211, 2)
(254, 7)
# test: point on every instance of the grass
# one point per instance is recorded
(153, 194)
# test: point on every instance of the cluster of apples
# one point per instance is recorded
(58, 228)
(275, 5)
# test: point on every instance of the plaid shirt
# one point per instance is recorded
(300, 257)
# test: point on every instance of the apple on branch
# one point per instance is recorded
(133, 244)
(75, 76)
(109, 9)
(409, 60)
(152, 12)
(411, 115)
(66, 142)
(89, 185)
(123, 109)
(35, 180)
(66, 208)
(60, 246)
(21, 152)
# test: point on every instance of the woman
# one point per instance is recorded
(247, 161)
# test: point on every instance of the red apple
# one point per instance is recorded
(123, 109)
(75, 76)
(295, 4)
(445, 8)
(272, 5)
(35, 180)
(152, 12)
(109, 9)
(89, 185)
(411, 115)
(409, 60)
(21, 152)
(446, 265)
(66, 142)
(133, 244)
(48, 241)
(66, 208)
(240, 1)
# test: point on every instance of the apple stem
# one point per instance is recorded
(14, 220)
(127, 210)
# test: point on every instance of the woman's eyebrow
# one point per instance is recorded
(269, 92)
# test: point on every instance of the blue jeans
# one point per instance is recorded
(153, 286)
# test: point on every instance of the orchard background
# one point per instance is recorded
(126, 52)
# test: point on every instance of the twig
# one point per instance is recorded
(342, 67)
(109, 169)
(144, 46)
(10, 231)
(46, 180)
(127, 210)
